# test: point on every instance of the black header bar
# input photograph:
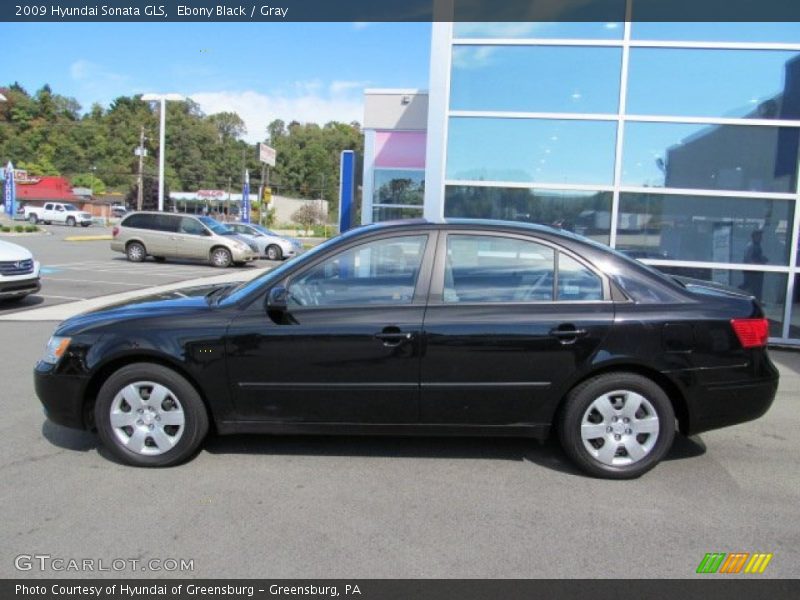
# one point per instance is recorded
(396, 10)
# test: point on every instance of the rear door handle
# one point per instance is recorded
(567, 334)
(394, 338)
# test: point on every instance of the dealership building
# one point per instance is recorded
(676, 143)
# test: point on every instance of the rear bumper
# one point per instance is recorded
(61, 396)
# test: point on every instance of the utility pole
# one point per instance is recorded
(140, 190)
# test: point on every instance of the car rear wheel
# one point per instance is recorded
(150, 416)
(617, 425)
(135, 252)
(221, 257)
(274, 252)
(33, 219)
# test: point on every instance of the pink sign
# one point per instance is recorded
(400, 149)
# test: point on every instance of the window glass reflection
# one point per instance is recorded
(543, 78)
(702, 228)
(393, 186)
(542, 29)
(753, 84)
(586, 213)
(722, 157)
(531, 150)
(393, 213)
(716, 31)
(794, 326)
(769, 288)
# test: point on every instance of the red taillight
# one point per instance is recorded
(115, 232)
(752, 333)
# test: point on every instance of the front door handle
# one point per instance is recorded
(392, 339)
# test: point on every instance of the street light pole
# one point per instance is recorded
(162, 98)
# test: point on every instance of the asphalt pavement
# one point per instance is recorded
(363, 507)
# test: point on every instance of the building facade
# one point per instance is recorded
(676, 143)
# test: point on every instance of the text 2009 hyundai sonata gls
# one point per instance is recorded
(413, 327)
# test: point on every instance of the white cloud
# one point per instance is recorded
(311, 102)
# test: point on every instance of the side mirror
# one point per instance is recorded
(278, 299)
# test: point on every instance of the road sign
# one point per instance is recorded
(266, 154)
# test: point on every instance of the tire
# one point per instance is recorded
(135, 252)
(221, 257)
(33, 219)
(609, 410)
(159, 258)
(85, 224)
(143, 439)
(274, 252)
(71, 222)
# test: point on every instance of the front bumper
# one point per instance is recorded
(61, 396)
(19, 288)
(243, 255)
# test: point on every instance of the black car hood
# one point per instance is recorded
(163, 303)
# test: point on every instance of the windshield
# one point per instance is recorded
(69, 207)
(244, 289)
(216, 226)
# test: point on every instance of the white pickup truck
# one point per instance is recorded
(58, 212)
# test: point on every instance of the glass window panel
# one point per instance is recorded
(721, 157)
(483, 268)
(399, 187)
(753, 84)
(794, 326)
(531, 150)
(576, 282)
(769, 288)
(716, 31)
(543, 78)
(393, 213)
(703, 228)
(380, 272)
(542, 29)
(586, 213)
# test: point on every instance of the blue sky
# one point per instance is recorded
(303, 71)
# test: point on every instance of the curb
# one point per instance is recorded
(88, 238)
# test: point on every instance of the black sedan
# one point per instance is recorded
(462, 328)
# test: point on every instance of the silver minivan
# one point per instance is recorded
(168, 235)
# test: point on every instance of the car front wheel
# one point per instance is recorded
(221, 257)
(617, 425)
(150, 416)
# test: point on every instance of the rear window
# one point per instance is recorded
(152, 222)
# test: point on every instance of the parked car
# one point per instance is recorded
(118, 210)
(270, 244)
(166, 235)
(58, 212)
(19, 272)
(467, 328)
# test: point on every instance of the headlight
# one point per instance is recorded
(56, 347)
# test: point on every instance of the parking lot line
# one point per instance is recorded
(93, 281)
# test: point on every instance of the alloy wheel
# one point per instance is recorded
(620, 428)
(147, 418)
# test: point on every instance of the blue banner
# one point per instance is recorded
(347, 180)
(244, 216)
(10, 192)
